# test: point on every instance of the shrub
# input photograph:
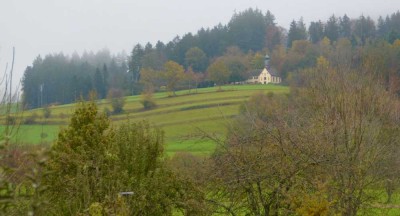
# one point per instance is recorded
(107, 112)
(117, 100)
(147, 101)
(10, 120)
(62, 115)
(46, 112)
(30, 119)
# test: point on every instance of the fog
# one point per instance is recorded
(41, 27)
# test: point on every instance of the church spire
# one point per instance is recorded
(266, 61)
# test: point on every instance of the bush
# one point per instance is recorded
(147, 101)
(62, 115)
(107, 112)
(30, 119)
(117, 100)
(46, 112)
(10, 120)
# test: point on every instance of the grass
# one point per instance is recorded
(33, 134)
(180, 117)
(381, 207)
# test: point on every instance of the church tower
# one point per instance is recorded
(266, 61)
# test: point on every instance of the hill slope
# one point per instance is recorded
(181, 116)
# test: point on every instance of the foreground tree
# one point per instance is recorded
(91, 164)
(250, 169)
(157, 190)
(82, 163)
(359, 136)
(319, 151)
(8, 189)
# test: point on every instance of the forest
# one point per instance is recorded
(327, 146)
(239, 45)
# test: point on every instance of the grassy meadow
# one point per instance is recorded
(181, 116)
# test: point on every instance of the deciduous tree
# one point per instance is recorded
(196, 59)
(173, 73)
(218, 72)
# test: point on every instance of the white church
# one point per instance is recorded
(264, 76)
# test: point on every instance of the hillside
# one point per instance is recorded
(203, 109)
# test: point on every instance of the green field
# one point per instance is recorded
(180, 117)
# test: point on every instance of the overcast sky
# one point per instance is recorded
(50, 26)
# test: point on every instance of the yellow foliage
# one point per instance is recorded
(96, 209)
(322, 63)
(313, 205)
(325, 42)
(301, 46)
(396, 43)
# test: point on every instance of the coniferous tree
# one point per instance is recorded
(364, 29)
(99, 84)
(247, 29)
(297, 31)
(105, 78)
(332, 29)
(316, 31)
(81, 162)
(274, 33)
(345, 27)
(135, 63)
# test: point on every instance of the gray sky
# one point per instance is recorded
(50, 26)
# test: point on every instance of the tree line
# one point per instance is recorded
(249, 34)
(61, 79)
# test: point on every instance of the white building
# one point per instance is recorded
(264, 76)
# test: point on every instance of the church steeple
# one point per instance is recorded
(266, 61)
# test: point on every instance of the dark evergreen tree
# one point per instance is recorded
(364, 29)
(188, 41)
(316, 31)
(247, 29)
(345, 26)
(105, 79)
(135, 63)
(273, 33)
(382, 27)
(332, 28)
(99, 85)
(148, 48)
(297, 31)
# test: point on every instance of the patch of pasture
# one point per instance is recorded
(181, 117)
(33, 134)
